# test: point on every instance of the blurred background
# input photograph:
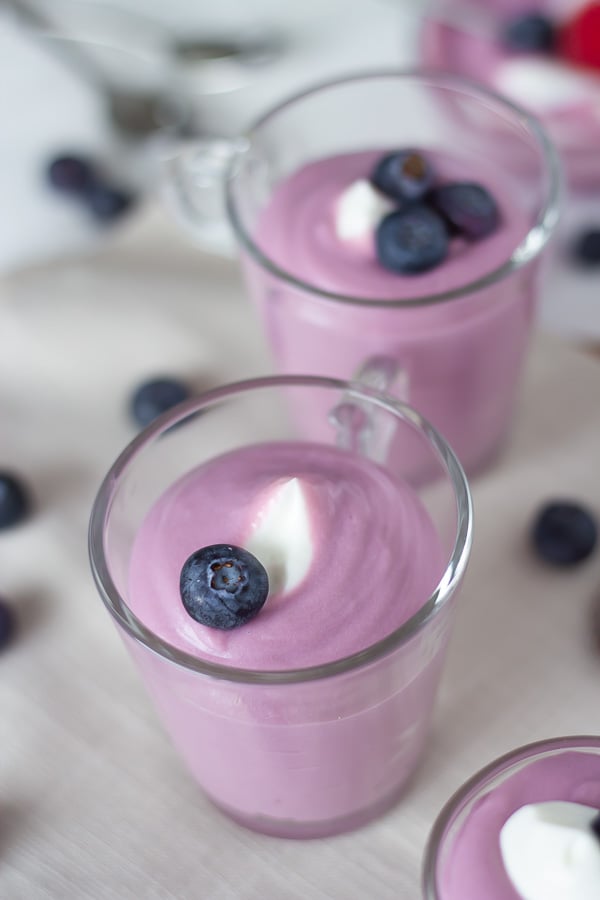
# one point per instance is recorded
(129, 82)
(125, 80)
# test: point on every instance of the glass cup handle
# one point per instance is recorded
(193, 190)
(384, 373)
(352, 419)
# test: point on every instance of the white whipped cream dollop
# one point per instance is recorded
(551, 853)
(544, 84)
(359, 210)
(281, 535)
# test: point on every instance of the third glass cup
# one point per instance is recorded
(463, 856)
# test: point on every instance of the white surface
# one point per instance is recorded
(46, 110)
(551, 853)
(43, 110)
(94, 804)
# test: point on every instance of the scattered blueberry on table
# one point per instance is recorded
(530, 32)
(72, 174)
(7, 624)
(223, 586)
(14, 500)
(77, 177)
(564, 533)
(585, 250)
(152, 398)
(107, 204)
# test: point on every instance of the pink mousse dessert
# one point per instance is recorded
(413, 224)
(331, 529)
(350, 554)
(287, 603)
(542, 54)
(526, 828)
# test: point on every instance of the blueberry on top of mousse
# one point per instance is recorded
(530, 32)
(469, 208)
(405, 175)
(223, 586)
(14, 500)
(411, 240)
(564, 533)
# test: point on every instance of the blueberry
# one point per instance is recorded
(107, 204)
(403, 175)
(73, 174)
(595, 825)
(14, 502)
(7, 624)
(564, 533)
(468, 208)
(530, 32)
(223, 586)
(586, 248)
(155, 397)
(411, 240)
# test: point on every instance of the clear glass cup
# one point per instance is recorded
(457, 354)
(452, 817)
(465, 37)
(325, 748)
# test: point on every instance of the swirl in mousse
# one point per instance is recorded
(349, 551)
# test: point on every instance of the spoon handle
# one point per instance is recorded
(69, 50)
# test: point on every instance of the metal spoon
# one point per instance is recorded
(139, 113)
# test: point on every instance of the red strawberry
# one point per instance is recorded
(579, 39)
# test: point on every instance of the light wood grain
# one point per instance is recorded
(93, 802)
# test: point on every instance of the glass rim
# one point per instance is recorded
(134, 628)
(471, 787)
(530, 246)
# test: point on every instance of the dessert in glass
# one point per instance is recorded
(527, 827)
(392, 228)
(543, 55)
(287, 601)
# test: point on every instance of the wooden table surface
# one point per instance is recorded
(93, 801)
